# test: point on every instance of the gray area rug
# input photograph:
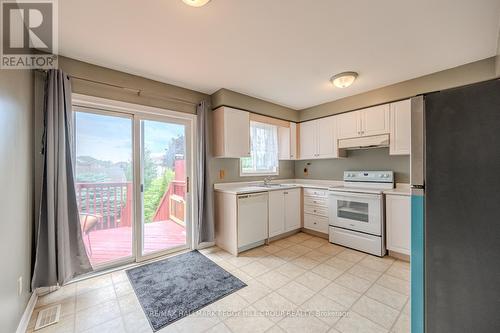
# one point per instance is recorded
(171, 289)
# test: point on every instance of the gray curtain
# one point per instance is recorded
(204, 184)
(60, 253)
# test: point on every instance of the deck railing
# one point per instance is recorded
(172, 205)
(111, 202)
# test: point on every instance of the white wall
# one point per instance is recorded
(16, 194)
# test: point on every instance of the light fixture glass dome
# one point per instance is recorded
(196, 3)
(343, 80)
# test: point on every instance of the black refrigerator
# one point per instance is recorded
(461, 204)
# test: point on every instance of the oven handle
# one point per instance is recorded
(355, 195)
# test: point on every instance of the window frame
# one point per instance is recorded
(267, 172)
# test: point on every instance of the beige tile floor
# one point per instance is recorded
(298, 284)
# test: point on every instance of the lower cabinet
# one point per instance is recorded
(316, 210)
(316, 223)
(398, 223)
(284, 211)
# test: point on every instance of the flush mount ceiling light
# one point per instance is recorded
(343, 80)
(196, 3)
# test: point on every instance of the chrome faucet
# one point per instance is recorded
(267, 180)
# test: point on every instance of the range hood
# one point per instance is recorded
(376, 141)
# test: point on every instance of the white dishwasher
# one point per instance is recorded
(252, 220)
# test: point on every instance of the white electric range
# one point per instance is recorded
(357, 218)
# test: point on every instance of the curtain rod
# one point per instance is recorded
(138, 92)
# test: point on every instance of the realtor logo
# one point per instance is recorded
(29, 36)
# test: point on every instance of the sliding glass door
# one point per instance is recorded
(132, 176)
(104, 185)
(164, 186)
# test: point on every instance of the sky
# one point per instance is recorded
(109, 138)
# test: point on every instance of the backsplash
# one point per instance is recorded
(366, 159)
(231, 168)
(329, 169)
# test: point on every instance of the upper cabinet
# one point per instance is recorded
(375, 120)
(308, 140)
(366, 122)
(287, 142)
(400, 134)
(318, 139)
(231, 131)
(349, 125)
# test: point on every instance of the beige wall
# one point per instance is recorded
(470, 73)
(154, 93)
(16, 196)
(367, 159)
(225, 97)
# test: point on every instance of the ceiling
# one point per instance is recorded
(283, 51)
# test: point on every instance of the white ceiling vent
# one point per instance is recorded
(48, 316)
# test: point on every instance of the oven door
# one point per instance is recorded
(357, 211)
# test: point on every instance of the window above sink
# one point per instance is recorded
(263, 160)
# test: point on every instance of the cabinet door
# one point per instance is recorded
(276, 213)
(400, 133)
(292, 209)
(375, 120)
(348, 125)
(237, 133)
(327, 146)
(284, 143)
(398, 221)
(308, 140)
(293, 141)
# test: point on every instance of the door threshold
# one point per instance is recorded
(98, 273)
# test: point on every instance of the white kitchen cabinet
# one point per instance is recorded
(292, 209)
(318, 139)
(287, 142)
(231, 133)
(327, 139)
(308, 140)
(316, 210)
(316, 223)
(349, 125)
(366, 122)
(276, 213)
(398, 223)
(400, 128)
(375, 120)
(293, 141)
(284, 211)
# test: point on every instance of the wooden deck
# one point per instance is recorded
(116, 243)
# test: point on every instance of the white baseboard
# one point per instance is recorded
(25, 319)
(41, 291)
(204, 245)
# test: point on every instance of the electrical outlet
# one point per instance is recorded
(20, 286)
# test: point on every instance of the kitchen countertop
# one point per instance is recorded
(401, 189)
(254, 187)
